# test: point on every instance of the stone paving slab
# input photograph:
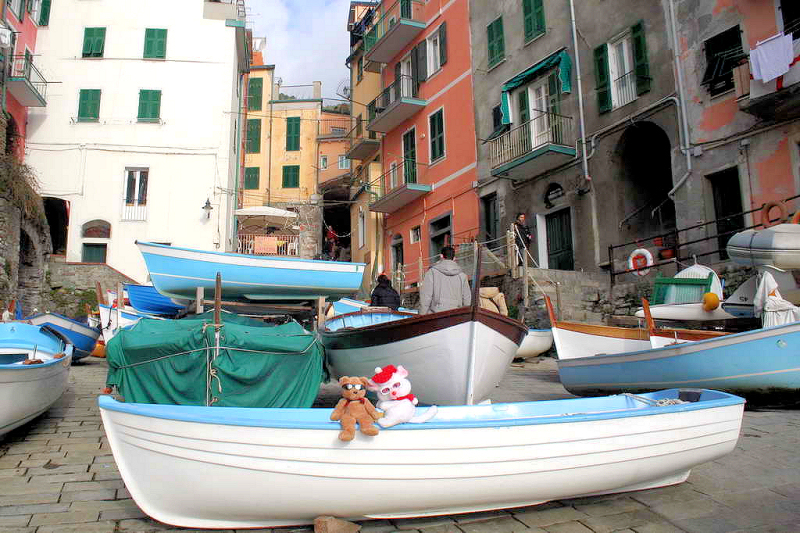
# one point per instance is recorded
(57, 475)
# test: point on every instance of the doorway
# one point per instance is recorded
(728, 209)
(559, 240)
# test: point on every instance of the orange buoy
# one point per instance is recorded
(710, 301)
(769, 206)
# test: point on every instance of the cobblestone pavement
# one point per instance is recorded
(57, 475)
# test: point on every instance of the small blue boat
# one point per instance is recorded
(178, 272)
(80, 334)
(761, 365)
(146, 299)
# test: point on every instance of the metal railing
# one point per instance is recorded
(403, 87)
(546, 128)
(134, 211)
(356, 133)
(254, 244)
(295, 92)
(624, 89)
(397, 175)
(22, 67)
(388, 17)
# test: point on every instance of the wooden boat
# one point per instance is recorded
(454, 357)
(203, 463)
(112, 319)
(536, 342)
(178, 272)
(28, 390)
(82, 336)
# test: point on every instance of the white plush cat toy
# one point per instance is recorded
(395, 398)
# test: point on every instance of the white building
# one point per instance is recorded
(141, 126)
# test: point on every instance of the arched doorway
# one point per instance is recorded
(644, 177)
(57, 212)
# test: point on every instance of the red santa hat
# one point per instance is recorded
(382, 376)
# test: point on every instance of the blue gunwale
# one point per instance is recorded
(452, 417)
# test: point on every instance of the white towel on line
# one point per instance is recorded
(771, 57)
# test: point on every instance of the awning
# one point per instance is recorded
(560, 60)
(270, 214)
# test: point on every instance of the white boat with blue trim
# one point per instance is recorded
(178, 272)
(34, 369)
(232, 468)
(82, 336)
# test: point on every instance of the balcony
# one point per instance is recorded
(536, 146)
(396, 103)
(776, 99)
(361, 143)
(397, 26)
(334, 128)
(397, 188)
(26, 83)
(253, 244)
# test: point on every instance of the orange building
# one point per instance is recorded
(428, 150)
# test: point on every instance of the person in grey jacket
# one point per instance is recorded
(444, 286)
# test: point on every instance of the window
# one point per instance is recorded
(440, 231)
(360, 68)
(790, 10)
(344, 163)
(251, 175)
(491, 219)
(253, 142)
(410, 156)
(17, 7)
(149, 106)
(94, 40)
(723, 52)
(436, 133)
(155, 43)
(255, 93)
(622, 71)
(727, 196)
(89, 105)
(533, 18)
(362, 227)
(291, 176)
(44, 17)
(135, 200)
(494, 34)
(414, 235)
(437, 49)
(93, 253)
(323, 162)
(292, 133)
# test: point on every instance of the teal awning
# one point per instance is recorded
(560, 60)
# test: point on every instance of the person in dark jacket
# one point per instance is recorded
(384, 295)
(522, 235)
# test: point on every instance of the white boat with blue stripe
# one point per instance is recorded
(178, 272)
(232, 468)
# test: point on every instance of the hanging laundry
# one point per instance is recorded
(771, 57)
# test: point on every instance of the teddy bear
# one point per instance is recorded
(355, 407)
(395, 398)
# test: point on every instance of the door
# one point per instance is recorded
(405, 9)
(559, 240)
(410, 156)
(727, 206)
(491, 219)
(540, 121)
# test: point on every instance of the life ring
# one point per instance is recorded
(640, 261)
(796, 217)
(765, 213)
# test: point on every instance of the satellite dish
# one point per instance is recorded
(278, 81)
(343, 89)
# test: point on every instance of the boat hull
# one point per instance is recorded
(178, 272)
(536, 342)
(203, 467)
(109, 321)
(435, 349)
(586, 340)
(760, 365)
(82, 336)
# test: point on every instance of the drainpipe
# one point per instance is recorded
(682, 97)
(10, 55)
(585, 160)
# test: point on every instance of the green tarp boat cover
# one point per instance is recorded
(175, 362)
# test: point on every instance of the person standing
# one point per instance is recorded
(522, 236)
(384, 295)
(444, 286)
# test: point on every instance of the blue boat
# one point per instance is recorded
(80, 334)
(761, 365)
(146, 299)
(178, 272)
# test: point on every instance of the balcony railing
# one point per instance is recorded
(253, 244)
(134, 211)
(335, 127)
(359, 145)
(624, 89)
(395, 28)
(544, 129)
(397, 187)
(295, 92)
(33, 89)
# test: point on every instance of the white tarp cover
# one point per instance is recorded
(768, 303)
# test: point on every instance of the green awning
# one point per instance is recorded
(560, 60)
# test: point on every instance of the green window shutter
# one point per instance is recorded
(524, 108)
(251, 175)
(642, 67)
(437, 135)
(603, 86)
(496, 42)
(443, 44)
(538, 17)
(155, 43)
(553, 94)
(94, 42)
(527, 17)
(255, 92)
(253, 143)
(88, 41)
(44, 17)
(291, 176)
(490, 42)
(292, 133)
(149, 105)
(89, 105)
(93, 253)
(30, 5)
